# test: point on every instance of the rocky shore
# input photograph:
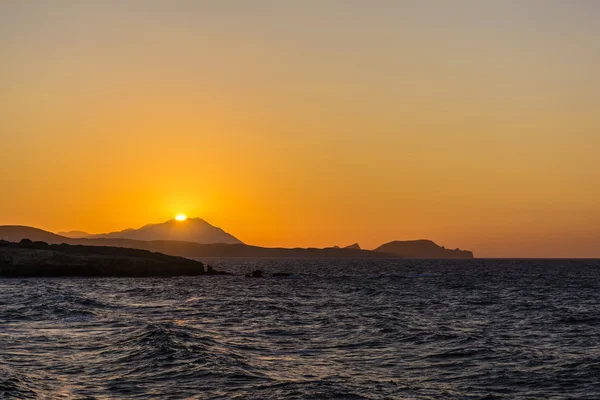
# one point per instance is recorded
(28, 259)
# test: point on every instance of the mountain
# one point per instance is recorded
(188, 249)
(74, 234)
(353, 246)
(191, 230)
(421, 249)
(397, 249)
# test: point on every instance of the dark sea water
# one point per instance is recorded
(480, 329)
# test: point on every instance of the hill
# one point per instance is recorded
(14, 233)
(421, 249)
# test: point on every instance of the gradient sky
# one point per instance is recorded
(308, 123)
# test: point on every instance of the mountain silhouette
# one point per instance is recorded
(74, 234)
(187, 249)
(15, 233)
(421, 249)
(353, 246)
(194, 230)
(425, 249)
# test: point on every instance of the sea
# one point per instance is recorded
(334, 329)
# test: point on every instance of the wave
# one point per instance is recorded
(421, 330)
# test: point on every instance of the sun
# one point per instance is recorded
(180, 217)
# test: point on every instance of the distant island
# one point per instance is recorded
(28, 258)
(422, 249)
(204, 245)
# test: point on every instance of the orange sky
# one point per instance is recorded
(474, 124)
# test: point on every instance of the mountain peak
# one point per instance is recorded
(189, 220)
(189, 230)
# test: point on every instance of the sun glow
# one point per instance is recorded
(180, 217)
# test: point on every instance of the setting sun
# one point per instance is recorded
(440, 153)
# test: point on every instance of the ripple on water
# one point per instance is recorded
(353, 329)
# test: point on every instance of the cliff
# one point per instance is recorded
(421, 249)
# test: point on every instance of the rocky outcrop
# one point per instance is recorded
(28, 258)
(257, 273)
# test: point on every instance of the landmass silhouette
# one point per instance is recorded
(197, 238)
(191, 230)
(421, 248)
(353, 246)
(28, 258)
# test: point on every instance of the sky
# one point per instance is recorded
(307, 123)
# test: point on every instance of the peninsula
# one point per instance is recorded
(28, 258)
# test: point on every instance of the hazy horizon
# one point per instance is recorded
(307, 124)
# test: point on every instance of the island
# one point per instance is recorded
(28, 259)
(422, 249)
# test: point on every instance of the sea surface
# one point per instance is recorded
(339, 329)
